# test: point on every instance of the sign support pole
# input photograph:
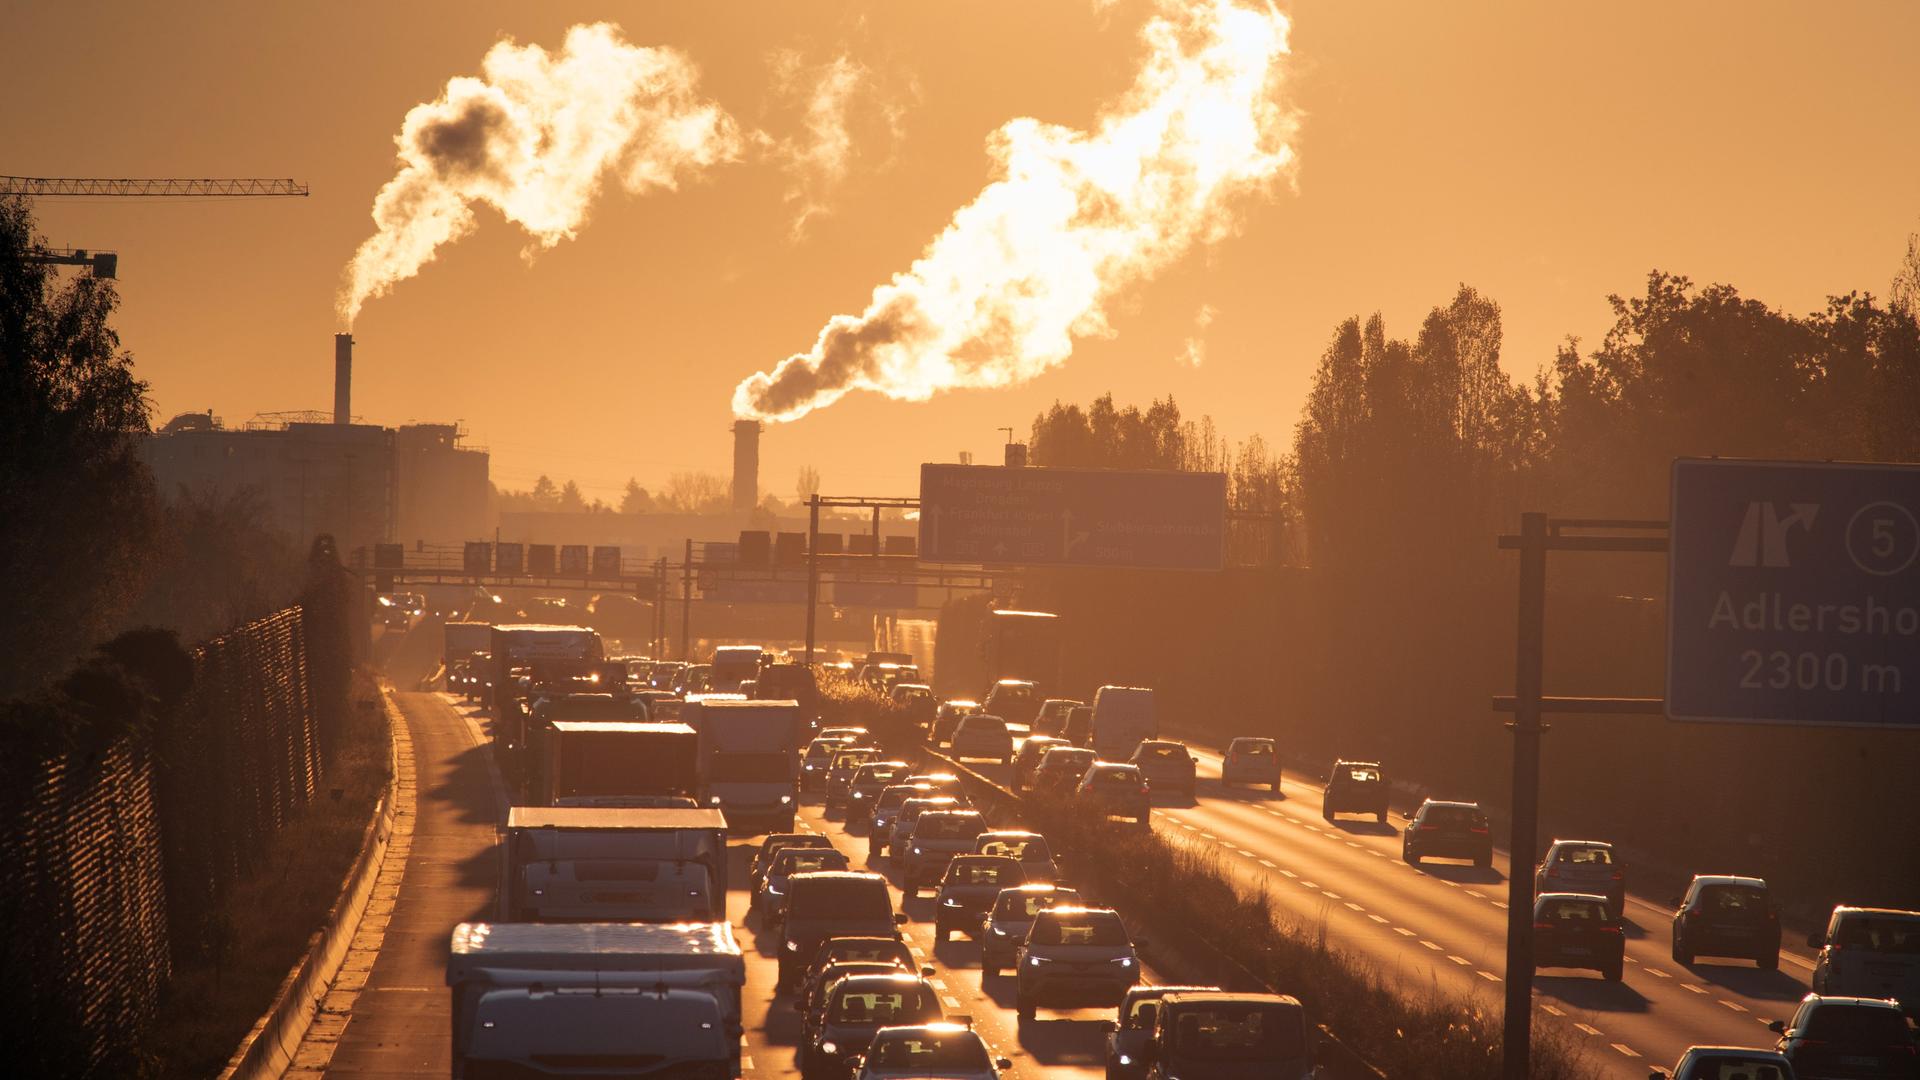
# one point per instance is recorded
(1529, 661)
(686, 605)
(813, 568)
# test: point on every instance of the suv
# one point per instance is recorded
(1873, 952)
(1011, 916)
(840, 769)
(1201, 1031)
(1061, 768)
(886, 807)
(771, 898)
(947, 717)
(1133, 1029)
(770, 847)
(903, 822)
(983, 735)
(1355, 787)
(1167, 766)
(1583, 866)
(967, 891)
(1016, 700)
(1075, 955)
(1578, 930)
(818, 756)
(1052, 717)
(955, 1051)
(868, 782)
(1867, 1038)
(1727, 916)
(1716, 1062)
(1251, 761)
(1118, 791)
(856, 1009)
(936, 837)
(853, 950)
(1036, 859)
(1027, 758)
(1448, 830)
(832, 903)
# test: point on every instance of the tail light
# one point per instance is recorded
(1479, 829)
(1606, 929)
(1144, 790)
(1619, 875)
(1429, 828)
(1543, 926)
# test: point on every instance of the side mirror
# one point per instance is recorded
(1778, 1027)
(1003, 1063)
(927, 971)
(899, 918)
(1816, 940)
(1111, 1026)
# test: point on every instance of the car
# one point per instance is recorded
(818, 758)
(1074, 956)
(1080, 725)
(947, 717)
(1870, 952)
(951, 1051)
(1206, 1034)
(1448, 830)
(1027, 758)
(1133, 1029)
(1168, 766)
(1724, 915)
(1584, 866)
(1721, 1062)
(1051, 719)
(770, 900)
(855, 1010)
(1036, 858)
(1015, 700)
(1251, 760)
(763, 859)
(1061, 769)
(1854, 1038)
(815, 988)
(967, 891)
(922, 852)
(903, 821)
(1011, 916)
(1116, 789)
(983, 735)
(840, 769)
(1355, 787)
(868, 782)
(853, 949)
(859, 736)
(943, 783)
(886, 807)
(1578, 930)
(832, 903)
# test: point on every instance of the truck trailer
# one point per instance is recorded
(749, 760)
(602, 762)
(611, 864)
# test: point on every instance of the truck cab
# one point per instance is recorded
(749, 761)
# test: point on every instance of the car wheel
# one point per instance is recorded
(1769, 962)
(1327, 813)
(1612, 972)
(1681, 955)
(1412, 859)
(1025, 1009)
(1276, 785)
(1484, 860)
(1381, 816)
(941, 935)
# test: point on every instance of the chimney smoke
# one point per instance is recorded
(343, 379)
(746, 464)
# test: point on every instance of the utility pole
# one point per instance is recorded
(1528, 663)
(686, 605)
(813, 568)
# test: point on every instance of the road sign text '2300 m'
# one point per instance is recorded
(1073, 517)
(1794, 593)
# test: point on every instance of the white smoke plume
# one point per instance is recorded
(1194, 353)
(534, 137)
(1074, 218)
(821, 154)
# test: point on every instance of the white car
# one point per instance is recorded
(944, 1050)
(983, 735)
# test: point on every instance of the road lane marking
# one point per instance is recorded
(1734, 1005)
(1308, 885)
(1551, 1009)
(937, 984)
(915, 950)
(1355, 906)
(745, 1062)
(1657, 972)
(1588, 1028)
(1475, 895)
(1625, 1049)
(1403, 931)
(1501, 904)
(1489, 976)
(1208, 835)
(1248, 854)
(1290, 873)
(1695, 989)
(1376, 918)
(952, 1002)
(1331, 895)
(1461, 960)
(1429, 944)
(1267, 864)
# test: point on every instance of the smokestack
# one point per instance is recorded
(746, 464)
(343, 379)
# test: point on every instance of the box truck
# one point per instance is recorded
(617, 762)
(614, 864)
(749, 760)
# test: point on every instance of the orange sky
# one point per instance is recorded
(1546, 153)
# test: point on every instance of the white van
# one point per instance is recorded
(1123, 716)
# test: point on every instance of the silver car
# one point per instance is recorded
(1011, 917)
(1075, 956)
(935, 837)
(953, 1051)
(1584, 866)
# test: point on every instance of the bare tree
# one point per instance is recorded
(808, 485)
(695, 493)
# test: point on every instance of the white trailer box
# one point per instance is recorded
(595, 999)
(749, 760)
(1123, 717)
(605, 864)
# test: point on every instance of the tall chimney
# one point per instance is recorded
(746, 464)
(343, 378)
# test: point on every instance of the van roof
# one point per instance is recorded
(1209, 997)
(598, 817)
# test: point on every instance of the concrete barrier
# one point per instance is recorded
(269, 1048)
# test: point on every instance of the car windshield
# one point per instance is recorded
(1734, 899)
(1066, 760)
(1024, 848)
(1586, 856)
(848, 759)
(1114, 777)
(929, 1052)
(807, 860)
(1858, 1025)
(899, 1002)
(878, 774)
(893, 797)
(1253, 749)
(1454, 817)
(868, 950)
(1363, 776)
(1025, 905)
(1163, 753)
(1879, 933)
(1574, 913)
(1080, 928)
(983, 872)
(853, 900)
(822, 749)
(1230, 1032)
(949, 827)
(983, 725)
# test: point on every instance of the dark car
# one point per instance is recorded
(1448, 830)
(1027, 759)
(1168, 766)
(1080, 725)
(947, 716)
(1848, 1038)
(857, 1007)
(1722, 915)
(818, 757)
(1116, 790)
(1052, 717)
(867, 784)
(1133, 1029)
(1355, 787)
(1216, 1035)
(1578, 930)
(853, 949)
(968, 890)
(832, 904)
(763, 859)
(840, 769)
(771, 899)
(886, 806)
(1061, 769)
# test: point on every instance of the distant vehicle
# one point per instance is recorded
(1012, 916)
(1168, 766)
(398, 609)
(1251, 761)
(1116, 790)
(1133, 1030)
(1578, 930)
(853, 949)
(1014, 700)
(791, 682)
(665, 674)
(819, 758)
(772, 846)
(1448, 830)
(859, 735)
(950, 1051)
(547, 709)
(868, 782)
(1870, 952)
(983, 735)
(1051, 719)
(840, 769)
(771, 900)
(748, 761)
(1074, 956)
(1080, 725)
(833, 904)
(923, 851)
(1584, 866)
(1355, 787)
(947, 716)
(1030, 848)
(904, 819)
(886, 808)
(735, 664)
(856, 1009)
(1847, 1037)
(1722, 915)
(1027, 759)
(915, 696)
(693, 679)
(885, 675)
(461, 643)
(968, 889)
(1123, 716)
(602, 762)
(1205, 1034)
(1061, 769)
(1721, 1062)
(598, 864)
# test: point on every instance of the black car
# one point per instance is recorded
(1578, 930)
(1722, 915)
(856, 1008)
(1355, 787)
(1448, 830)
(1847, 1038)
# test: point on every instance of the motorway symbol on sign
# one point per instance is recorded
(1073, 517)
(1793, 593)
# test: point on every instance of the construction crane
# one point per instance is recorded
(106, 264)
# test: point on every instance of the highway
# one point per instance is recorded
(1444, 924)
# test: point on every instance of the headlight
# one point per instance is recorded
(1125, 1060)
(714, 801)
(949, 902)
(859, 794)
(772, 891)
(1125, 961)
(786, 800)
(539, 892)
(829, 1048)
(916, 851)
(1035, 961)
(793, 946)
(997, 932)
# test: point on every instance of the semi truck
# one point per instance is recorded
(610, 762)
(523, 645)
(749, 760)
(639, 998)
(614, 864)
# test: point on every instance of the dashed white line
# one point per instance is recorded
(1290, 873)
(1555, 1011)
(938, 984)
(1248, 854)
(1331, 895)
(1657, 972)
(1489, 976)
(1695, 989)
(1475, 895)
(1403, 931)
(1625, 1049)
(952, 1002)
(1430, 945)
(1734, 1005)
(1376, 918)
(1588, 1028)
(1308, 885)
(1461, 960)
(1354, 906)
(1269, 865)
(745, 1062)
(1501, 904)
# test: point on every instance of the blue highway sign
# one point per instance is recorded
(1073, 517)
(1793, 593)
